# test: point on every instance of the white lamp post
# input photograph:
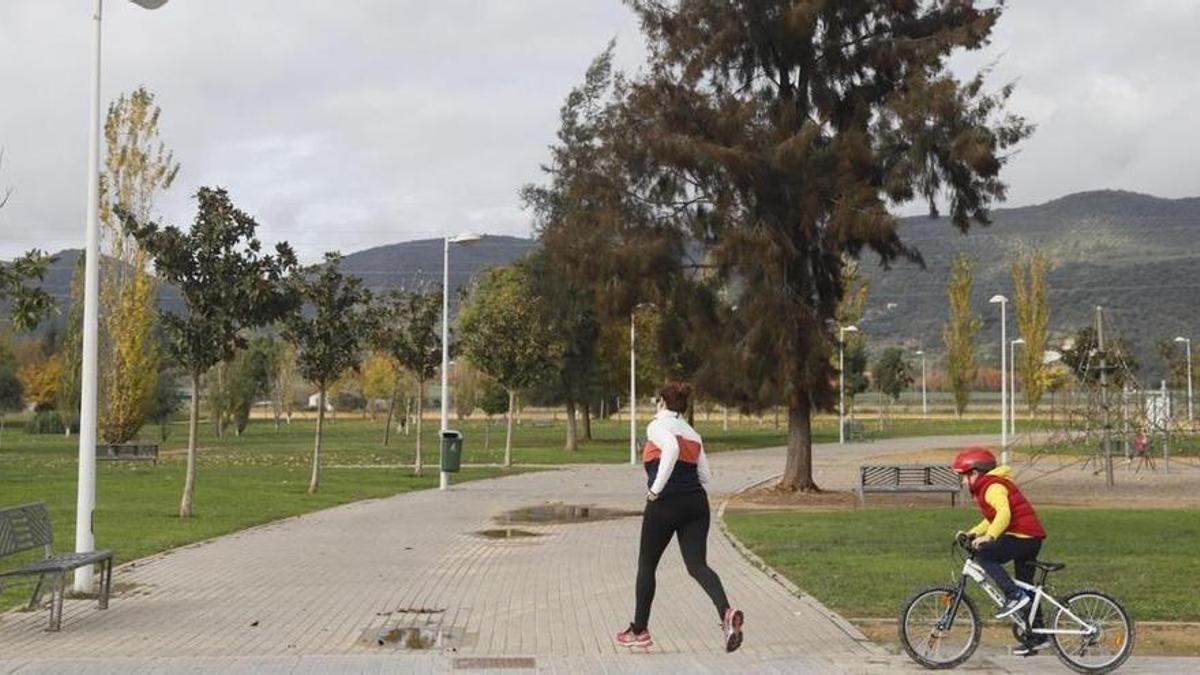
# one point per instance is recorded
(633, 382)
(1003, 302)
(1012, 385)
(632, 389)
(842, 380)
(1188, 342)
(924, 400)
(85, 504)
(464, 238)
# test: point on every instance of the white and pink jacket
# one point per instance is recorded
(674, 456)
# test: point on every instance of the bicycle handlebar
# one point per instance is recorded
(963, 540)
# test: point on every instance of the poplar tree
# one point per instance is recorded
(137, 167)
(1031, 304)
(960, 333)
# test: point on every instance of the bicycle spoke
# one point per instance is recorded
(1106, 631)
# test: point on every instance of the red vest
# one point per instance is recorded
(1024, 519)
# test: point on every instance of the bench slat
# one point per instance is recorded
(25, 527)
(919, 478)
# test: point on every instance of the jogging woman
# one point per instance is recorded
(676, 505)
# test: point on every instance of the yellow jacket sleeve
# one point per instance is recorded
(997, 497)
(979, 529)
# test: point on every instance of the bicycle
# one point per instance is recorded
(1091, 631)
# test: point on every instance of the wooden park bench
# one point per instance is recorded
(131, 451)
(27, 527)
(897, 478)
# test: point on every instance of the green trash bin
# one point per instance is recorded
(452, 442)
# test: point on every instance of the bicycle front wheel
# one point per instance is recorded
(1106, 632)
(931, 636)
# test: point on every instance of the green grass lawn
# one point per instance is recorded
(263, 475)
(865, 563)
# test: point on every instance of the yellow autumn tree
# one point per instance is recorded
(1032, 306)
(137, 166)
(39, 380)
(378, 379)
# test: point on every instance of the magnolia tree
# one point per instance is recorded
(329, 332)
(502, 333)
(228, 286)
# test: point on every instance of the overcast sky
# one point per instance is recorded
(349, 124)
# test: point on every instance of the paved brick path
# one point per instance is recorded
(314, 593)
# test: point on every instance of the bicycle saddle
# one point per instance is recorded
(1048, 566)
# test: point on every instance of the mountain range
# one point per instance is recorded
(1133, 254)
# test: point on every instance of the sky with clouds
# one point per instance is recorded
(345, 125)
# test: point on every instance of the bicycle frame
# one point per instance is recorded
(972, 570)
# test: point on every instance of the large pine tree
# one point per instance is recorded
(779, 134)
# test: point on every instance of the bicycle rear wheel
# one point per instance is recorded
(1110, 639)
(927, 633)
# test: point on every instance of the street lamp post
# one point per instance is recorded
(924, 400)
(1012, 386)
(464, 238)
(1003, 302)
(632, 389)
(633, 381)
(1188, 342)
(842, 380)
(85, 503)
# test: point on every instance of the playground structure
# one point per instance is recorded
(1115, 418)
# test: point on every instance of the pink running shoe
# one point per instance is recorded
(732, 625)
(630, 638)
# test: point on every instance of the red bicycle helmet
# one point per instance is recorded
(977, 458)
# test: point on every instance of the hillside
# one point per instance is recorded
(413, 264)
(1131, 253)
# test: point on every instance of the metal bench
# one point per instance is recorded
(26, 527)
(134, 451)
(896, 478)
(856, 431)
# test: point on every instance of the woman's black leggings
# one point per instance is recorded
(686, 515)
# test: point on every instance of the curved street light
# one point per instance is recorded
(842, 380)
(464, 238)
(1003, 302)
(85, 500)
(1188, 342)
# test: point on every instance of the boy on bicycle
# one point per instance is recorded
(1010, 530)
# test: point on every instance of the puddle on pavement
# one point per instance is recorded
(506, 533)
(546, 514)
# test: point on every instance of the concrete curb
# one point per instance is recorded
(845, 626)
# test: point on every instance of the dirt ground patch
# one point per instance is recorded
(1152, 639)
(1051, 480)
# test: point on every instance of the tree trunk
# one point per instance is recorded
(420, 404)
(315, 483)
(189, 481)
(487, 434)
(587, 421)
(572, 431)
(220, 409)
(387, 428)
(512, 411)
(797, 473)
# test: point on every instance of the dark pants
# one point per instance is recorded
(1021, 551)
(687, 516)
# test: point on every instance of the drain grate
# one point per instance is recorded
(494, 663)
(506, 533)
